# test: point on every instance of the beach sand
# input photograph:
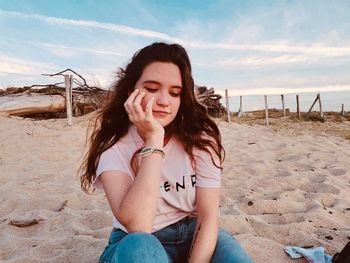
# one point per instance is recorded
(280, 187)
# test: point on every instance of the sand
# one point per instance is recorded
(279, 188)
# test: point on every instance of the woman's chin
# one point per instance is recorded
(162, 122)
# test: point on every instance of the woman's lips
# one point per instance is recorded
(161, 113)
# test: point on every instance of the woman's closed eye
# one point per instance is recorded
(175, 94)
(152, 90)
(172, 93)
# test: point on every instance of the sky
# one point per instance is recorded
(248, 47)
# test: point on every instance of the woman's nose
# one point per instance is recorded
(163, 99)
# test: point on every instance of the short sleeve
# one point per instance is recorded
(207, 174)
(111, 160)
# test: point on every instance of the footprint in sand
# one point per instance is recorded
(337, 172)
(319, 188)
(283, 173)
(228, 210)
(318, 178)
(289, 158)
(283, 219)
(263, 207)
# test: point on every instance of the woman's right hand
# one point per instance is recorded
(146, 124)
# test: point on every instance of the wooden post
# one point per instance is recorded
(298, 108)
(317, 97)
(319, 101)
(283, 109)
(240, 111)
(69, 83)
(342, 110)
(227, 107)
(71, 90)
(266, 111)
(240, 104)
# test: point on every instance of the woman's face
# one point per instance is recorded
(162, 81)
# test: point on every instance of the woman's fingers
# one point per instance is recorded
(143, 119)
(129, 102)
(137, 106)
(148, 109)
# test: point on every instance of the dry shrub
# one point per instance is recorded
(313, 117)
(338, 119)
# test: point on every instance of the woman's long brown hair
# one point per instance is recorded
(189, 125)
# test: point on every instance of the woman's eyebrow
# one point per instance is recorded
(158, 83)
(177, 87)
(151, 82)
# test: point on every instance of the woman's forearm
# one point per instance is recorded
(139, 206)
(204, 240)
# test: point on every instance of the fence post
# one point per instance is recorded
(68, 80)
(227, 107)
(319, 101)
(240, 104)
(266, 111)
(240, 111)
(284, 110)
(298, 108)
(317, 97)
(342, 110)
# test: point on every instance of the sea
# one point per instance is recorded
(331, 101)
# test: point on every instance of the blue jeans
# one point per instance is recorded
(168, 245)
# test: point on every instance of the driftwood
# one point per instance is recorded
(40, 99)
(210, 100)
(49, 100)
(24, 222)
(26, 104)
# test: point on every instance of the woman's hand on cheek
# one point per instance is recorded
(146, 124)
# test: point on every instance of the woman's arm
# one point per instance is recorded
(134, 204)
(206, 233)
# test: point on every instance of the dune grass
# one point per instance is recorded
(332, 123)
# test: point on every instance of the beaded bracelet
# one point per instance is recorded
(149, 150)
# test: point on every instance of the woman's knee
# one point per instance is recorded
(139, 240)
(140, 247)
(139, 237)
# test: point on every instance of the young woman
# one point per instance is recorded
(157, 155)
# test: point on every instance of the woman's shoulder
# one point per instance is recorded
(130, 140)
(128, 143)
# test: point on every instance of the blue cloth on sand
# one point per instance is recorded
(315, 255)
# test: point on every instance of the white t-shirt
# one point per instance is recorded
(178, 179)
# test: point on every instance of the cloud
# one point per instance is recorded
(281, 47)
(99, 80)
(254, 61)
(68, 51)
(320, 50)
(94, 24)
(30, 71)
(260, 46)
(14, 65)
(276, 91)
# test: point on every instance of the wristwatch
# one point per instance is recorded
(149, 150)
